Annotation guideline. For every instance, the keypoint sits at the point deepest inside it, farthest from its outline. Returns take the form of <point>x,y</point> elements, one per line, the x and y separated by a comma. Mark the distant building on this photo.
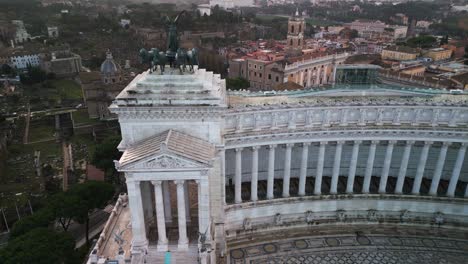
<point>353,74</point>
<point>366,28</point>
<point>400,32</point>
<point>53,32</point>
<point>415,70</point>
<point>228,4</point>
<point>204,9</point>
<point>296,27</point>
<point>21,34</point>
<point>399,53</point>
<point>62,63</point>
<point>22,62</point>
<point>100,88</point>
<point>125,23</point>
<point>438,54</point>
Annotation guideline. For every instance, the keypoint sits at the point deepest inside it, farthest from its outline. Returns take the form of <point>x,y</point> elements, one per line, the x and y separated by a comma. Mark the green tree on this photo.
<point>42,218</point>
<point>424,41</point>
<point>40,246</point>
<point>65,207</point>
<point>237,84</point>
<point>91,195</point>
<point>105,154</point>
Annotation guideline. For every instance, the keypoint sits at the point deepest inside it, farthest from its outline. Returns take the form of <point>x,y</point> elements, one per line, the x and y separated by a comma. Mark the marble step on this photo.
<point>177,257</point>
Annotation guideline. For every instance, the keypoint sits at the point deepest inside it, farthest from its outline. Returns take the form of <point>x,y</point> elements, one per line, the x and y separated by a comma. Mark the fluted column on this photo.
<point>369,167</point>
<point>139,241</point>
<point>167,201</point>
<point>318,177</point>
<point>403,167</point>
<point>238,176</point>
<point>421,166</point>
<point>254,181</point>
<point>161,221</point>
<point>456,170</point>
<point>336,168</point>
<point>303,171</point>
<point>287,170</point>
<point>386,167</point>
<point>352,167</point>
<point>439,167</point>
<point>271,171</point>
<point>183,240</point>
<point>187,201</point>
<point>204,207</point>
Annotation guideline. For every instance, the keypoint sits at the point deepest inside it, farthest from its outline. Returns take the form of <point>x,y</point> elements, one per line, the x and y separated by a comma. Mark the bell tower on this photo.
<point>296,26</point>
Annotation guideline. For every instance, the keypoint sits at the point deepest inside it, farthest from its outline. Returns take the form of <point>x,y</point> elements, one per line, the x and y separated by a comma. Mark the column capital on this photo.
<point>464,145</point>
<point>357,142</point>
<point>392,142</point>
<point>375,142</point>
<point>306,144</point>
<point>428,143</point>
<point>340,142</point>
<point>179,182</point>
<point>323,143</point>
<point>239,149</point>
<point>446,144</point>
<point>410,142</point>
<point>290,145</point>
<point>256,148</point>
<point>272,146</point>
<point>156,183</point>
<point>197,182</point>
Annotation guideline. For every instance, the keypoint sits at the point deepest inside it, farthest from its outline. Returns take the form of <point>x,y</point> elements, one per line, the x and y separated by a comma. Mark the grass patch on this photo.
<point>41,132</point>
<point>81,116</point>
<point>67,89</point>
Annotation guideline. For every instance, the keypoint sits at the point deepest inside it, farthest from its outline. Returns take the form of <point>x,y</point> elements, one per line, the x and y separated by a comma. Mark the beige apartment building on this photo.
<point>399,53</point>
<point>438,54</point>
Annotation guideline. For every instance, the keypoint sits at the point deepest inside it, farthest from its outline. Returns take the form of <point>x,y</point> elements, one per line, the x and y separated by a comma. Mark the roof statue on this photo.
<point>176,57</point>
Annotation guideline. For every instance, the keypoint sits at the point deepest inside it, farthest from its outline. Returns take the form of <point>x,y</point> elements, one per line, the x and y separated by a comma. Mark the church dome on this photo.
<point>109,67</point>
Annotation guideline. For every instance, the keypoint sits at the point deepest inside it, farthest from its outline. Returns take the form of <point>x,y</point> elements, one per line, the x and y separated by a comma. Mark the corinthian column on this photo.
<point>271,171</point>
<point>352,167</point>
<point>303,171</point>
<point>183,240</point>
<point>318,177</point>
<point>439,167</point>
<point>386,168</point>
<point>456,170</point>
<point>238,176</point>
<point>161,221</point>
<point>369,167</point>
<point>167,201</point>
<point>254,181</point>
<point>421,166</point>
<point>287,170</point>
<point>403,168</point>
<point>139,242</point>
<point>336,168</point>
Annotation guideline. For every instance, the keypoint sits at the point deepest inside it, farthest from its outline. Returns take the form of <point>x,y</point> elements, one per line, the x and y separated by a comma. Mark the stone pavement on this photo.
<point>355,248</point>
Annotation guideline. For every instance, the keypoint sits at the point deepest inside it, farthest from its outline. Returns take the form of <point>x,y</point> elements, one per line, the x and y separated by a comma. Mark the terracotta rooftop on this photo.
<point>170,141</point>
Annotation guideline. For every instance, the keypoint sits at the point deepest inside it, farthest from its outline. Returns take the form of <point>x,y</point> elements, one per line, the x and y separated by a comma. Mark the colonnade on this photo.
<point>383,183</point>
<point>163,211</point>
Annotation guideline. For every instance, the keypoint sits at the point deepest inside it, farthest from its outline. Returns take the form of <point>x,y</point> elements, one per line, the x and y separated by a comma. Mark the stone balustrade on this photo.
<point>274,118</point>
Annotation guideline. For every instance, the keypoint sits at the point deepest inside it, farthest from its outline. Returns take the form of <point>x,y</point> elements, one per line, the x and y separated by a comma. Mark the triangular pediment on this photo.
<point>162,162</point>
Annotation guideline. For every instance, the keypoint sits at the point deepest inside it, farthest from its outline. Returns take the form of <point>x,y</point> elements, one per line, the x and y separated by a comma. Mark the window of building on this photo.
<point>291,42</point>
<point>299,42</point>
<point>300,28</point>
<point>269,76</point>
<point>292,28</point>
<point>291,75</point>
<point>277,79</point>
<point>260,75</point>
<point>255,74</point>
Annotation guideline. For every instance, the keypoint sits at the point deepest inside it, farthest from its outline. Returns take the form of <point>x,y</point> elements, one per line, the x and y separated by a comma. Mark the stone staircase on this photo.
<point>177,257</point>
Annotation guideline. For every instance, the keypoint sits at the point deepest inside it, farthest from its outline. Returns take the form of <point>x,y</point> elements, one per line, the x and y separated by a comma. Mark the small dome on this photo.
<point>109,67</point>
